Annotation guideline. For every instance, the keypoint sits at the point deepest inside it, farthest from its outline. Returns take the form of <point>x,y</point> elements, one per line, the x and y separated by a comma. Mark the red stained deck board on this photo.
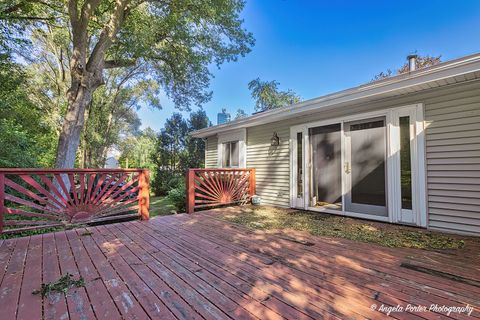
<point>378,269</point>
<point>180,308</point>
<point>242,281</point>
<point>255,275</point>
<point>100,299</point>
<point>357,257</point>
<point>113,248</point>
<point>30,305</point>
<point>215,239</point>
<point>196,266</point>
<point>11,284</point>
<point>54,305</point>
<point>121,295</point>
<point>417,289</point>
<point>6,251</point>
<point>220,299</point>
<point>245,294</point>
<point>79,306</point>
<point>200,304</point>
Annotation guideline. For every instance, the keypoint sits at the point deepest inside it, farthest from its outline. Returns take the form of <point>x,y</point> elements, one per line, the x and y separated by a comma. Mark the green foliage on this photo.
<point>171,143</point>
<point>180,40</point>
<point>27,136</point>
<point>240,114</point>
<point>421,62</point>
<point>194,155</point>
<point>137,151</point>
<point>156,44</point>
<point>176,150</point>
<point>177,197</point>
<point>165,180</point>
<point>62,285</point>
<point>112,119</point>
<point>267,96</point>
<point>177,41</point>
<point>18,149</point>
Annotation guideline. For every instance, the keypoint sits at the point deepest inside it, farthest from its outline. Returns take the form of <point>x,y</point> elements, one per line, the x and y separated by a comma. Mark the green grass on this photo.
<point>320,224</point>
<point>161,206</point>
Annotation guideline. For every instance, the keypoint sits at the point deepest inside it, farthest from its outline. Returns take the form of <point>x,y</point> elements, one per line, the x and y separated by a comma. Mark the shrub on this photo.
<point>177,197</point>
<point>166,180</point>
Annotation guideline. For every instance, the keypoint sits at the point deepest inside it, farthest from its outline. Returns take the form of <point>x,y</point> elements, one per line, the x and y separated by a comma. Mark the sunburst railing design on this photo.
<point>214,187</point>
<point>44,198</point>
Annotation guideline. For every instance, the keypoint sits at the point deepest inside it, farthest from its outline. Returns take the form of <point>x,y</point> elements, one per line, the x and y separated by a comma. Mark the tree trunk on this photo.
<point>69,138</point>
<point>85,71</point>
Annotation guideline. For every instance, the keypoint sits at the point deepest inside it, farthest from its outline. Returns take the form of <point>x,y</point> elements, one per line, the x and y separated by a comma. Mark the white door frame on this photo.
<point>418,215</point>
<point>295,201</point>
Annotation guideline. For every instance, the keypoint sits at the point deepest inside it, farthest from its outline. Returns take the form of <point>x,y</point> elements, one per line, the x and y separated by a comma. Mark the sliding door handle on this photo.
<point>347,167</point>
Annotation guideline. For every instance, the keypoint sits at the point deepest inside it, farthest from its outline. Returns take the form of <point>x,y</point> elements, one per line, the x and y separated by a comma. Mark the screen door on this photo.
<point>365,167</point>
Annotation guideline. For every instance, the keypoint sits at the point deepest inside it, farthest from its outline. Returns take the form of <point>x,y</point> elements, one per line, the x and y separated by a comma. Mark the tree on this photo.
<point>138,150</point>
<point>178,40</point>
<point>176,150</point>
<point>420,63</point>
<point>240,114</point>
<point>194,155</point>
<point>267,96</point>
<point>112,113</point>
<point>171,142</point>
<point>26,132</point>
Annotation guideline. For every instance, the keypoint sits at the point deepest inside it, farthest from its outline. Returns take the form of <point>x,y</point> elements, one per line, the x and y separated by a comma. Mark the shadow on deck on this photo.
<point>196,266</point>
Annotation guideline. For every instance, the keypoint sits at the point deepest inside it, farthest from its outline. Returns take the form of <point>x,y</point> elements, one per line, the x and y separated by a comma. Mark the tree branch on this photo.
<point>110,64</point>
<point>108,33</point>
<point>29,18</point>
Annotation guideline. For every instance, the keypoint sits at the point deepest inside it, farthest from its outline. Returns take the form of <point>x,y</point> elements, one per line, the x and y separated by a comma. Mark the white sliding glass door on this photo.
<point>369,166</point>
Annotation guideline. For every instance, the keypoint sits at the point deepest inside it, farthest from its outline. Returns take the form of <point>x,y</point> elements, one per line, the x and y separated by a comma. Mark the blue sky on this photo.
<point>319,47</point>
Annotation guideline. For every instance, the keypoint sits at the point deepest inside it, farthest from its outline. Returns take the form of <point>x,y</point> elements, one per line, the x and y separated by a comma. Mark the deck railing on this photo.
<point>214,187</point>
<point>33,199</point>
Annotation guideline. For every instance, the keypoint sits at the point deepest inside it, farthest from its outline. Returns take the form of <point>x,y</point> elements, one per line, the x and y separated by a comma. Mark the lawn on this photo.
<point>161,206</point>
<point>321,224</point>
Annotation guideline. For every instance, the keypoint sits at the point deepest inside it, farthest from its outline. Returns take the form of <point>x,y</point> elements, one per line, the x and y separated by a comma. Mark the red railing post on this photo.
<point>252,182</point>
<point>2,200</point>
<point>144,194</point>
<point>190,190</point>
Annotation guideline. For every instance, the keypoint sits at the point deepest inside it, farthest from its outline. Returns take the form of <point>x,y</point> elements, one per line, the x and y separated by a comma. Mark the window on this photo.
<point>230,154</point>
<point>299,165</point>
<point>405,163</point>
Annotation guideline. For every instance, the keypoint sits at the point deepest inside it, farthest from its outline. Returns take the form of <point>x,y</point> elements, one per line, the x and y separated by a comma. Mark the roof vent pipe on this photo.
<point>412,62</point>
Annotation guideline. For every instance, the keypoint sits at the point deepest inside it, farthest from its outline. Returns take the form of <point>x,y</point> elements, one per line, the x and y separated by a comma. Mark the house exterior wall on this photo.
<point>452,120</point>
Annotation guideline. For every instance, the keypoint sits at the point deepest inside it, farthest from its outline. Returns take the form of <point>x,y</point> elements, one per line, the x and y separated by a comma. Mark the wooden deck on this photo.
<point>198,267</point>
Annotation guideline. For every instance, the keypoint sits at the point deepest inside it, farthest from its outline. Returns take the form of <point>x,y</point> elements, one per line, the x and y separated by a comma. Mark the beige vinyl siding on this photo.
<point>211,153</point>
<point>272,164</point>
<point>452,147</point>
<point>453,162</point>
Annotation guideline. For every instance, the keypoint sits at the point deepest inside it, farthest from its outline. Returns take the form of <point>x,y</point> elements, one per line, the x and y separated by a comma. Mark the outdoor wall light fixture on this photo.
<point>275,140</point>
